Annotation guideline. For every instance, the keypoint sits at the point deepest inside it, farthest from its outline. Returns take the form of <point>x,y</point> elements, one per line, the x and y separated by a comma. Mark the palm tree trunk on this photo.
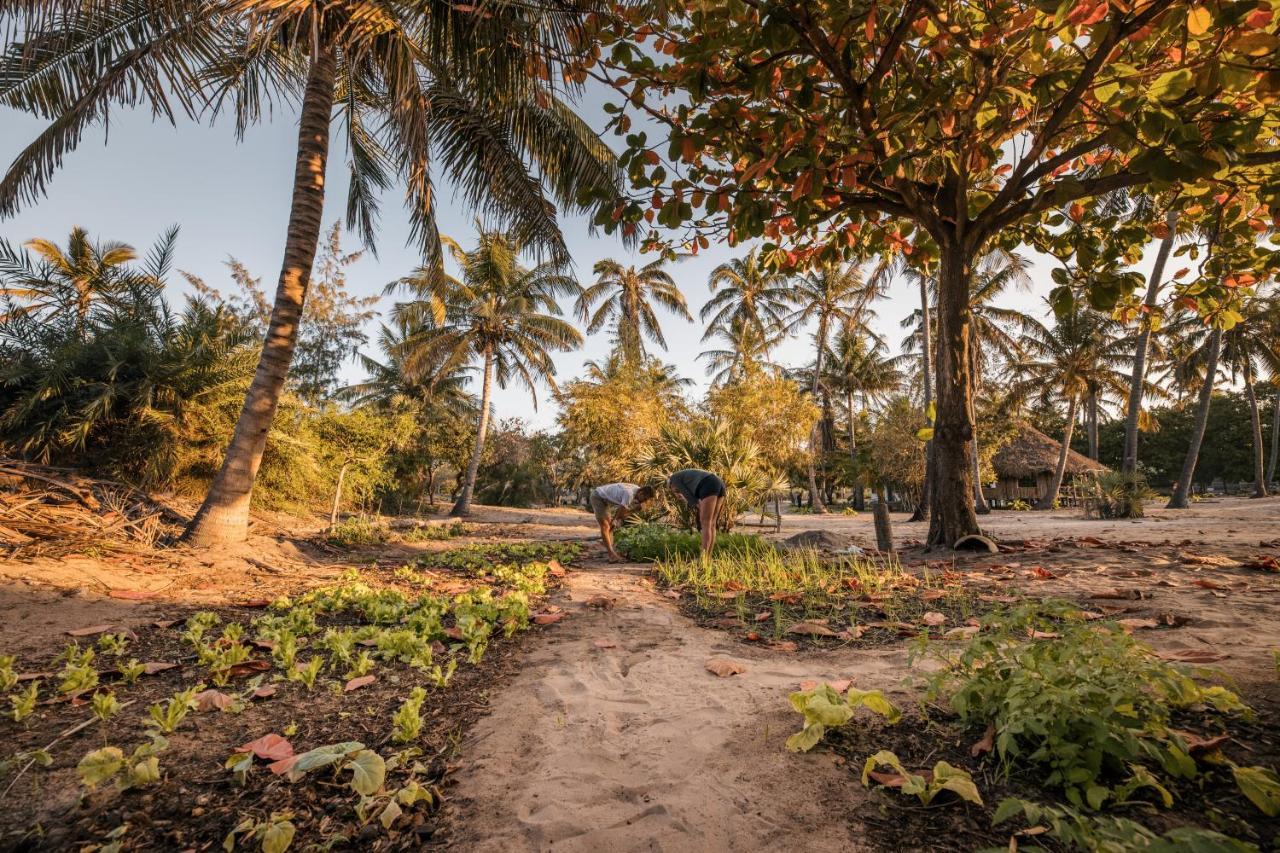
<point>463,504</point>
<point>975,376</point>
<point>224,515</point>
<point>815,435</point>
<point>1137,379</point>
<point>1048,499</point>
<point>337,494</point>
<point>926,354</point>
<point>1275,439</point>
<point>1182,489</point>
<point>859,501</point>
<point>1255,417</point>
<point>951,479</point>
<point>1092,425</point>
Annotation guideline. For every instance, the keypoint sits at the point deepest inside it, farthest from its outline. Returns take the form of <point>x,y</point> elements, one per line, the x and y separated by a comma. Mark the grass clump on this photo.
<point>1120,495</point>
<point>483,556</point>
<point>649,542</point>
<point>351,532</point>
<point>436,532</point>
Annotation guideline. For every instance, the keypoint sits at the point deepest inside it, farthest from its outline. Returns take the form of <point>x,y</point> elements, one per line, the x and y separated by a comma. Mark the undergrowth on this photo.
<point>649,541</point>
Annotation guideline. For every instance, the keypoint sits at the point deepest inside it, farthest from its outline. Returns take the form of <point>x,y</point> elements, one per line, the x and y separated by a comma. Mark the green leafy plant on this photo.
<point>1088,705</point>
<point>8,676</point>
<point>648,542</point>
<point>358,531</point>
<point>274,834</point>
<point>925,786</point>
<point>1261,785</point>
<point>307,673</point>
<point>1120,495</point>
<point>140,768</point>
<point>167,716</point>
<point>78,674</point>
<point>435,532</point>
<point>406,724</point>
<point>441,677</point>
<point>105,705</point>
<point>1104,833</point>
<point>824,708</point>
<point>132,671</point>
<point>113,644</point>
<point>22,703</point>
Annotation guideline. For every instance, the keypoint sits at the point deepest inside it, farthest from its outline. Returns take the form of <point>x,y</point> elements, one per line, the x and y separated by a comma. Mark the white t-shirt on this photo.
<point>618,494</point>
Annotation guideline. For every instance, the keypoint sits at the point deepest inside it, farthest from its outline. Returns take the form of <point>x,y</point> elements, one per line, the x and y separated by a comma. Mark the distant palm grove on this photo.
<point>1147,204</point>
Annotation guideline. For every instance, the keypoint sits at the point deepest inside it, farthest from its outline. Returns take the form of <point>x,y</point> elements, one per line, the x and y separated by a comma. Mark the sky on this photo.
<point>232,199</point>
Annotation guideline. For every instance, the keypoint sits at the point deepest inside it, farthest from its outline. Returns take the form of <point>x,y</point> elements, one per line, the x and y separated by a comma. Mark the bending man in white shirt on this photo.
<point>612,503</point>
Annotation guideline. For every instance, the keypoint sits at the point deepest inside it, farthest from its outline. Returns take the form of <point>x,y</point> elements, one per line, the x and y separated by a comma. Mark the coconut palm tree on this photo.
<point>390,385</point>
<point>746,348</point>
<point>859,369</point>
<point>1248,349</point>
<point>626,296</point>
<point>745,293</point>
<point>65,285</point>
<point>500,314</point>
<point>829,295</point>
<point>1080,354</point>
<point>421,87</point>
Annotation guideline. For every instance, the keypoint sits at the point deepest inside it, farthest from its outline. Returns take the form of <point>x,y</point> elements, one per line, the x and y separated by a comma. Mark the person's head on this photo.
<point>644,494</point>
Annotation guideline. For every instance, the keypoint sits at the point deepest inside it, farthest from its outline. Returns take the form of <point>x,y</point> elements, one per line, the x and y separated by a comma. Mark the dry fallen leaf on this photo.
<point>1205,583</point>
<point>723,667</point>
<point>357,683</point>
<point>249,666</point>
<point>605,644</point>
<point>264,691</point>
<point>1044,635</point>
<point>152,667</point>
<point>212,700</point>
<point>547,618</point>
<point>986,744</point>
<point>961,633</point>
<point>839,685</point>
<point>555,569</point>
<point>763,616</point>
<point>1199,744</point>
<point>603,602</point>
<point>1219,561</point>
<point>1193,656</point>
<point>784,646</point>
<point>90,631</point>
<point>933,619</point>
<point>1130,625</point>
<point>271,747</point>
<point>811,629</point>
<point>165,623</point>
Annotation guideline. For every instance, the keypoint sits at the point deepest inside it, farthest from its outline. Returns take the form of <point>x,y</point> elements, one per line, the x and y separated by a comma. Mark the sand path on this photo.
<point>636,746</point>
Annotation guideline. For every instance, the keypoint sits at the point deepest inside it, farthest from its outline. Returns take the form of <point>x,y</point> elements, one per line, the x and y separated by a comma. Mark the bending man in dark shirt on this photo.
<point>704,492</point>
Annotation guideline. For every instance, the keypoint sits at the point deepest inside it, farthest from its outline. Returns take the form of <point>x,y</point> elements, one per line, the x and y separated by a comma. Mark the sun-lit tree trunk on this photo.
<point>926,355</point>
<point>224,515</point>
<point>859,502</point>
<point>1255,418</point>
<point>1091,425</point>
<point>337,494</point>
<point>1182,489</point>
<point>975,373</point>
<point>1275,439</point>
<point>1050,497</point>
<point>951,478</point>
<point>463,505</point>
<point>815,436</point>
<point>1138,378</point>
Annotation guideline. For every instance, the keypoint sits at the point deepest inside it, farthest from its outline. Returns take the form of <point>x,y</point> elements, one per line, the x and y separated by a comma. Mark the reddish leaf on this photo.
<point>1205,583</point>
<point>271,747</point>
<point>453,633</point>
<point>165,623</point>
<point>986,744</point>
<point>1041,573</point>
<point>253,602</point>
<point>1199,744</point>
<point>357,683</point>
<point>933,594</point>
<point>811,629</point>
<point>1044,635</point>
<point>933,619</point>
<point>555,569</point>
<point>284,765</point>
<point>265,691</point>
<point>247,667</point>
<point>605,644</point>
<point>152,667</point>
<point>212,700</point>
<point>752,637</point>
<point>1130,625</point>
<point>763,616</point>
<point>547,618</point>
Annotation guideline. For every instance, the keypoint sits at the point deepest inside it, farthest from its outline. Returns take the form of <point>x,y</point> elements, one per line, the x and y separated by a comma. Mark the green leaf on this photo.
<point>389,814</point>
<point>414,793</point>
<point>925,433</point>
<point>1008,807</point>
<point>807,738</point>
<point>873,700</point>
<point>322,756</point>
<point>100,765</point>
<point>368,772</point>
<point>278,837</point>
<point>959,782</point>
<point>1261,786</point>
<point>1171,85</point>
<point>144,772</point>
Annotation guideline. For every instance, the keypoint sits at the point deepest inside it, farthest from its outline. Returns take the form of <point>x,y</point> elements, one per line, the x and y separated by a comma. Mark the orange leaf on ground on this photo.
<point>211,700</point>
<point>90,631</point>
<point>605,644</point>
<point>271,747</point>
<point>1041,573</point>
<point>165,623</point>
<point>839,685</point>
<point>248,666</point>
<point>284,765</point>
<point>264,691</point>
<point>547,618</point>
<point>1045,635</point>
<point>763,616</point>
<point>723,667</point>
<point>555,569</point>
<point>152,667</point>
<point>933,594</point>
<point>986,744</point>
<point>1130,625</point>
<point>358,682</point>
<point>933,619</point>
<point>1199,744</point>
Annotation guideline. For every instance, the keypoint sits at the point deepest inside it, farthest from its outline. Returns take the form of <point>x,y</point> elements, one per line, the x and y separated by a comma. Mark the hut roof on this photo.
<point>1031,452</point>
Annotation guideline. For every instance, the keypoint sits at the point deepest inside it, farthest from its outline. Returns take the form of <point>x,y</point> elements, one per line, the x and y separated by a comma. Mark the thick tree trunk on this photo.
<point>1139,376</point>
<point>1182,489</point>
<point>926,353</point>
<point>883,524</point>
<point>975,375</point>
<point>1275,440</point>
<point>815,437</point>
<point>1255,418</point>
<point>1050,497</point>
<point>463,504</point>
<point>951,477</point>
<point>224,515</point>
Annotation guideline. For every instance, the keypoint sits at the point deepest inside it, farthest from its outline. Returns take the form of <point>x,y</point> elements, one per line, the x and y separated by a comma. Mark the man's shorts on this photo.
<point>601,507</point>
<point>710,486</point>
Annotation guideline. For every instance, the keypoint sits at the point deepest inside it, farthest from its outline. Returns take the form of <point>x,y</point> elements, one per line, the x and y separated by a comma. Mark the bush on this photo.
<point>1120,495</point>
<point>649,542</point>
<point>358,531</point>
<point>1085,703</point>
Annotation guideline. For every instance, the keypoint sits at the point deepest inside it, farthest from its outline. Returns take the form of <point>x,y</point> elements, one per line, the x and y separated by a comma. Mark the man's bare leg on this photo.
<point>708,509</point>
<point>606,533</point>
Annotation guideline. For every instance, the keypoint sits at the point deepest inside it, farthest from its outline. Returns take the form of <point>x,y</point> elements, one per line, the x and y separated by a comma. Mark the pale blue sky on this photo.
<point>232,199</point>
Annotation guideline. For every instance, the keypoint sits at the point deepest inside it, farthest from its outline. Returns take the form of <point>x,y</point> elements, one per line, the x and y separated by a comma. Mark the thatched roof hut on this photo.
<point>1025,465</point>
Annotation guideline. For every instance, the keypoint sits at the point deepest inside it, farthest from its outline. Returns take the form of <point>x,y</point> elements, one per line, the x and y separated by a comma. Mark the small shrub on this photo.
<point>1019,505</point>
<point>435,532</point>
<point>1120,495</point>
<point>650,542</point>
<point>358,531</point>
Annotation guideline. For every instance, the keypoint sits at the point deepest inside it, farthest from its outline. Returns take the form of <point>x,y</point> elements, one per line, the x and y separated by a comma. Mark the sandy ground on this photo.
<point>616,737</point>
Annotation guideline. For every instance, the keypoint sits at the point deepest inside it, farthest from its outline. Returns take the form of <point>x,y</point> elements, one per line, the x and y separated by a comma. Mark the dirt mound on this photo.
<point>819,540</point>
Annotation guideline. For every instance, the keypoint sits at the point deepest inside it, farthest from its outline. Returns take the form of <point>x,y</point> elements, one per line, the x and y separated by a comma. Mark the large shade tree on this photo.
<point>421,88</point>
<point>845,128</point>
<point>500,315</point>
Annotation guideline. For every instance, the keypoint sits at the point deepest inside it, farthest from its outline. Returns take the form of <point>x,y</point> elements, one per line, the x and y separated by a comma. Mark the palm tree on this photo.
<point>859,369</point>
<point>499,313</point>
<point>416,85</point>
<point>626,296</point>
<point>830,294</point>
<point>66,285</point>
<point>746,349</point>
<point>745,293</point>
<point>1080,354</point>
<point>1247,347</point>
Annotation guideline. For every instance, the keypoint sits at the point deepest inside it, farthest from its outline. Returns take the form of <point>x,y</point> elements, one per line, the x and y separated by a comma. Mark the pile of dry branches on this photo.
<point>52,511</point>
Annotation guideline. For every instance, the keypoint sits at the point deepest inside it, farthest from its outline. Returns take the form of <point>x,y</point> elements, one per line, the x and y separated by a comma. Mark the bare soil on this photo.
<point>606,730</point>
